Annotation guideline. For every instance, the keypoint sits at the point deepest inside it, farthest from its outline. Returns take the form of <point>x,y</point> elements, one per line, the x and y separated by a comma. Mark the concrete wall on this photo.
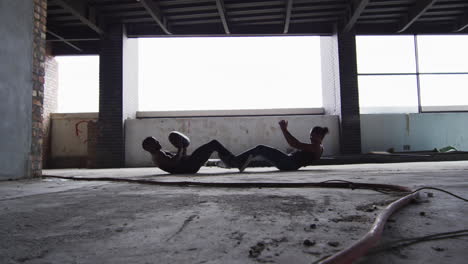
<point>330,75</point>
<point>418,131</point>
<point>236,133</point>
<point>16,82</point>
<point>379,132</point>
<point>130,77</point>
<point>69,139</point>
<point>50,104</point>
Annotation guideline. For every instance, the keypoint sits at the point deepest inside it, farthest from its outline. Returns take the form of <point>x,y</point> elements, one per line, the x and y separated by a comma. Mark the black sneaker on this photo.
<point>221,164</point>
<point>246,163</point>
<point>228,161</point>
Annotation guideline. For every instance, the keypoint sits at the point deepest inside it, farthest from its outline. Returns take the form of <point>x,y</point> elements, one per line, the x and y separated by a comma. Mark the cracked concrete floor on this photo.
<point>61,221</point>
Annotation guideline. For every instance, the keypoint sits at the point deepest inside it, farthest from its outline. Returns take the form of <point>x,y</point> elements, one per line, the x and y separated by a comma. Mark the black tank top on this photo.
<point>303,158</point>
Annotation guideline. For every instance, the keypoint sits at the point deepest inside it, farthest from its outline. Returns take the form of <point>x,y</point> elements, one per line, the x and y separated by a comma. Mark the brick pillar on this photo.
<point>39,54</point>
<point>50,103</point>
<point>91,144</point>
<point>340,87</point>
<point>110,139</point>
<point>118,95</point>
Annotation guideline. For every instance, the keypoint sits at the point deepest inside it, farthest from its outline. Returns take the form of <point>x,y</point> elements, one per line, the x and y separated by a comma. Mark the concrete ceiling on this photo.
<point>75,26</point>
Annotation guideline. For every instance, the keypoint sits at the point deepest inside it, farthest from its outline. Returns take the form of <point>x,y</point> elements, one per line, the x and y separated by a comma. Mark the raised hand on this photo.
<point>283,124</point>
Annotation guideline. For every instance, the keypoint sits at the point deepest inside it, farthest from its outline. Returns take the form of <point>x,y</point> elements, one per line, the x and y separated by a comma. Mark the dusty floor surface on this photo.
<point>62,221</point>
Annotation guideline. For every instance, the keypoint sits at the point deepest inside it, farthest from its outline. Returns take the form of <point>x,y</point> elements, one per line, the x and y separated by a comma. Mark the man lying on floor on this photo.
<point>181,162</point>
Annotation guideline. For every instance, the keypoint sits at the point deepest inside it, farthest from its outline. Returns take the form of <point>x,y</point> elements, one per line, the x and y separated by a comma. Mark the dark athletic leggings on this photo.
<point>193,163</point>
<point>277,158</point>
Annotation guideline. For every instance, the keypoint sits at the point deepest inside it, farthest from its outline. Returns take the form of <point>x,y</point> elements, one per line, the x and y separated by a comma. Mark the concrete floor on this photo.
<point>62,221</point>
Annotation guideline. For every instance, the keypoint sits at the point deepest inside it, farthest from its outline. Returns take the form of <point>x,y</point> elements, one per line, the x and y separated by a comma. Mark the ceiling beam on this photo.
<point>64,41</point>
<point>222,15</point>
<point>359,7</point>
<point>72,39</point>
<point>155,13</point>
<point>462,23</point>
<point>417,10</point>
<point>79,10</point>
<point>287,20</point>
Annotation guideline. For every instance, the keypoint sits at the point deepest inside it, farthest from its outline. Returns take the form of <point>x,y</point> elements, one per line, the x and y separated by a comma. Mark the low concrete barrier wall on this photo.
<point>414,132</point>
<point>238,133</point>
<point>69,139</point>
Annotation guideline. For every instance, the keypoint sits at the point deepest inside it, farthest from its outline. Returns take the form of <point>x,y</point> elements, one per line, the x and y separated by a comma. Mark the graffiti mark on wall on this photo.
<point>83,124</point>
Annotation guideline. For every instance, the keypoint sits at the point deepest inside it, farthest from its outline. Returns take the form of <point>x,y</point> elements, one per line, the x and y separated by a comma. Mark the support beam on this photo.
<point>462,23</point>
<point>359,7</point>
<point>64,41</point>
<point>78,9</point>
<point>417,10</point>
<point>73,39</point>
<point>155,13</point>
<point>340,87</point>
<point>287,20</point>
<point>110,146</point>
<point>222,15</point>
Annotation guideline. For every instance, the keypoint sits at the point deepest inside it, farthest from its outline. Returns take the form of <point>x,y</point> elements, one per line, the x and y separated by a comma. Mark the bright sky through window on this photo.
<point>229,73</point>
<point>276,72</point>
<point>392,79</point>
<point>78,81</point>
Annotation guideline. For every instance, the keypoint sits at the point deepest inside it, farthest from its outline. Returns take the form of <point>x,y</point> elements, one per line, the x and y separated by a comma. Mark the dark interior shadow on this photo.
<point>162,175</point>
<point>268,170</point>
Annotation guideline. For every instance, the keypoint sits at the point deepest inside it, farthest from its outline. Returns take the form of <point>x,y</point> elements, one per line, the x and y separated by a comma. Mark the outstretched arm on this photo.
<point>292,141</point>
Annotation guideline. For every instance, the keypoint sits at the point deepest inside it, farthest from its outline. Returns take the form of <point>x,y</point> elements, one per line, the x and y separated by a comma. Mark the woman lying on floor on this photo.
<point>304,155</point>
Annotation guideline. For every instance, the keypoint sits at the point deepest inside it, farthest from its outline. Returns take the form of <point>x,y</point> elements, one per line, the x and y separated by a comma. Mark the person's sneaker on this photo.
<point>246,163</point>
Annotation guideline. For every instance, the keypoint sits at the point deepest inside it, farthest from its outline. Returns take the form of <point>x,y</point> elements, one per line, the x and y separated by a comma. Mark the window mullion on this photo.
<point>418,83</point>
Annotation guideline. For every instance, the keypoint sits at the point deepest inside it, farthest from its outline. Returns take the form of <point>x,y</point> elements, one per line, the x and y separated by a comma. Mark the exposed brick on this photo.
<point>110,147</point>
<point>38,86</point>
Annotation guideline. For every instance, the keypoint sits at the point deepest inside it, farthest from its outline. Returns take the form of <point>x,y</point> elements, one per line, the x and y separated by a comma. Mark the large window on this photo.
<point>408,74</point>
<point>443,68</point>
<point>78,84</point>
<point>229,73</point>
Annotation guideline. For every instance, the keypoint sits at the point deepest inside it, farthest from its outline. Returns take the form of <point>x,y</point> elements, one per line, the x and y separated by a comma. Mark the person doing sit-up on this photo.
<point>181,162</point>
<point>304,155</point>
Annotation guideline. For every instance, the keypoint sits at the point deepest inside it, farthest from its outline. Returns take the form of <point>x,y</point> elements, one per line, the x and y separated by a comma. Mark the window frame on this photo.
<point>237,112</point>
<point>418,74</point>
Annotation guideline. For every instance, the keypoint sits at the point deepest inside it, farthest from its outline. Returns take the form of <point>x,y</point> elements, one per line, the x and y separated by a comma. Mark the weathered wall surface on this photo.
<point>236,133</point>
<point>380,132</point>
<point>418,131</point>
<point>69,139</point>
<point>16,83</point>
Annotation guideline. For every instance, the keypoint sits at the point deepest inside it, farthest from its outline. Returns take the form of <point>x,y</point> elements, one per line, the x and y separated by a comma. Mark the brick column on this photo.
<point>118,95</point>
<point>110,140</point>
<point>340,87</point>
<point>39,53</point>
